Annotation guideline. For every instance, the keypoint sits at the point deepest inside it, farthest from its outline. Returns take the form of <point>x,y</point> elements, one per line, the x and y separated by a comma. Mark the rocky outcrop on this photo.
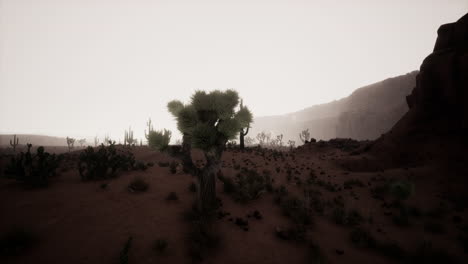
<point>438,115</point>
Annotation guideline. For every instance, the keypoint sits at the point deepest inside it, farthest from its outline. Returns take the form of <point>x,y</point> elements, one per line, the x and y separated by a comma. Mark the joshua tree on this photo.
<point>261,137</point>
<point>107,140</point>
<point>208,122</point>
<point>14,143</point>
<point>128,138</point>
<point>279,140</point>
<point>244,130</point>
<point>70,143</point>
<point>249,141</point>
<point>304,136</point>
<point>292,144</point>
<point>82,141</point>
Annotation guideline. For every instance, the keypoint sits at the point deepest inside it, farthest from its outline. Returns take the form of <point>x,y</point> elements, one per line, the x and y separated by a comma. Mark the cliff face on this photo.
<point>437,122</point>
<point>365,114</point>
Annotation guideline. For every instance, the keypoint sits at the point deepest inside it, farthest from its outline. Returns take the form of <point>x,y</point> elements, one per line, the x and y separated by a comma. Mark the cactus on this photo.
<point>128,139</point>
<point>304,136</point>
<point>244,130</point>
<point>150,128</point>
<point>14,143</point>
<point>292,144</point>
<point>70,143</point>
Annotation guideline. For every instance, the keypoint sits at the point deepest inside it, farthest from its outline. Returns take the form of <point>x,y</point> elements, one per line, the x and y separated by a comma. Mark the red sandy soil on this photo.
<point>78,222</point>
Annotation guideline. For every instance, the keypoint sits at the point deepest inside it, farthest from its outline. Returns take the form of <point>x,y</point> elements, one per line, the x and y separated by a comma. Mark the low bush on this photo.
<point>17,241</point>
<point>33,169</point>
<point>104,162</point>
<point>159,140</point>
<point>248,185</point>
<point>138,184</point>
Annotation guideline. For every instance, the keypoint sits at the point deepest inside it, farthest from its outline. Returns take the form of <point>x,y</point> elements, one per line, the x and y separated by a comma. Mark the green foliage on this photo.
<point>159,139</point>
<point>33,169</point>
<point>16,242</point>
<point>211,119</point>
<point>104,162</point>
<point>123,258</point>
<point>138,184</point>
<point>248,185</point>
<point>160,246</point>
<point>401,190</point>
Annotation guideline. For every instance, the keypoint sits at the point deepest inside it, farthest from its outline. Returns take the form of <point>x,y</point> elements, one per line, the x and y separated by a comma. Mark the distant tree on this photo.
<point>304,136</point>
<point>261,137</point>
<point>82,141</point>
<point>249,141</point>
<point>279,140</point>
<point>247,115</point>
<point>291,144</point>
<point>70,143</point>
<point>208,122</point>
<point>159,139</point>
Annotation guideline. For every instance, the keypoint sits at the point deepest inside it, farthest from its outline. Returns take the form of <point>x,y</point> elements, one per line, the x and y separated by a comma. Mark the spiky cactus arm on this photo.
<point>14,143</point>
<point>150,128</point>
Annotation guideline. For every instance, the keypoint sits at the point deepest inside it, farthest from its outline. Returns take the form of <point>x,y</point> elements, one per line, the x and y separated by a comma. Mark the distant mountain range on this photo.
<point>36,140</point>
<point>366,114</point>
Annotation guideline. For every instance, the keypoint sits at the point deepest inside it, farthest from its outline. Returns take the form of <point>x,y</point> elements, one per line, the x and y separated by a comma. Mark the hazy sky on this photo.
<point>91,67</point>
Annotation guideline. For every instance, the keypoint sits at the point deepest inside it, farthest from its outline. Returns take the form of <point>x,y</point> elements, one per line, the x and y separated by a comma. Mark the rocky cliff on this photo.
<point>437,122</point>
<point>365,114</point>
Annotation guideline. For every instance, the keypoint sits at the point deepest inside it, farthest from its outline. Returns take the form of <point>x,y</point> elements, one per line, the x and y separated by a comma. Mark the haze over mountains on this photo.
<point>366,114</point>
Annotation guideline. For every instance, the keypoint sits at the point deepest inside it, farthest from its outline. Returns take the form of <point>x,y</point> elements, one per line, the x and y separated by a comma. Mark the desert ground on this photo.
<point>77,221</point>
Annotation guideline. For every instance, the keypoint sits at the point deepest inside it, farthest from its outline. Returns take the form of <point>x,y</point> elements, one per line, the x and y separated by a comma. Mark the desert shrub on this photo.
<point>297,211</point>
<point>362,238</point>
<point>17,241</point>
<point>434,227</point>
<point>141,166</point>
<point>315,254</point>
<point>104,162</point>
<point>401,190</point>
<point>341,217</point>
<point>172,196</point>
<point>248,185</point>
<point>163,164</point>
<point>123,257</point>
<point>173,167</point>
<point>160,246</point>
<point>33,169</point>
<point>353,182</point>
<point>159,139</point>
<point>193,187</point>
<point>138,184</point>
<point>354,218</point>
<point>295,233</point>
<point>426,253</point>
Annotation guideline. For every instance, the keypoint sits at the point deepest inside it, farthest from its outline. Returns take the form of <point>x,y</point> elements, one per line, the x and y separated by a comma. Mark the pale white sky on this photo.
<point>91,67</point>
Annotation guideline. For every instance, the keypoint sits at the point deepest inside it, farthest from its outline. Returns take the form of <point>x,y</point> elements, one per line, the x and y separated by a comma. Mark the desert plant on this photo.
<point>17,241</point>
<point>150,128</point>
<point>207,123</point>
<point>70,143</point>
<point>244,130</point>
<point>291,144</point>
<point>304,136</point>
<point>104,162</point>
<point>279,140</point>
<point>160,246</point>
<point>96,141</point>
<point>401,190</point>
<point>248,185</point>
<point>159,139</point>
<point>82,141</point>
<point>261,137</point>
<point>123,257</point>
<point>14,143</point>
<point>128,137</point>
<point>33,169</point>
<point>138,184</point>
